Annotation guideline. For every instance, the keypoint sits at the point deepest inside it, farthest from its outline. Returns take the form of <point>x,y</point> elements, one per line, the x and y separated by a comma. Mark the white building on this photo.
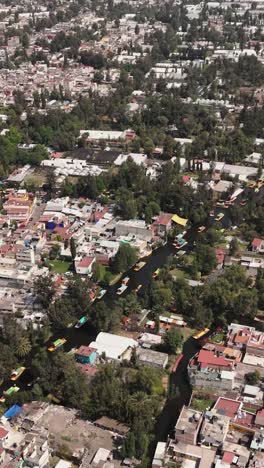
<point>115,347</point>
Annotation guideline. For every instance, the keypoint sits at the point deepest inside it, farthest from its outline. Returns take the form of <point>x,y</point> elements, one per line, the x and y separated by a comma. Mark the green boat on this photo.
<point>56,344</point>
<point>81,322</point>
<point>11,390</point>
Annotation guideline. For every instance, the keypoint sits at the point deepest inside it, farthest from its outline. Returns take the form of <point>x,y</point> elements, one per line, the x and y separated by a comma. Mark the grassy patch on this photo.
<point>180,273</point>
<point>218,338</point>
<point>59,266</point>
<point>115,279</point>
<point>200,404</point>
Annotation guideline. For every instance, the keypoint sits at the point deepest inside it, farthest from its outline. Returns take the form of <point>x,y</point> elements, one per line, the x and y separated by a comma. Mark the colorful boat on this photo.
<point>122,289</point>
<point>17,373</point>
<point>200,334</point>
<point>125,280</point>
<point>219,216</point>
<point>101,293</point>
<point>57,344</point>
<point>139,266</point>
<point>156,273</point>
<point>9,392</point>
<point>81,322</point>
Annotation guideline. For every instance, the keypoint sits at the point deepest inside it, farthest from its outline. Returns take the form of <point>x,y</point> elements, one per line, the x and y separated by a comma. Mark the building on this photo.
<point>188,426</point>
<point>162,224</point>
<point>134,228</point>
<point>206,359</point>
<point>259,421</point>
<point>159,455</point>
<point>114,347</point>
<point>257,245</point>
<point>224,380</point>
<point>152,358</point>
<point>214,429</point>
<point>26,255</point>
<point>189,455</point>
<point>85,355</point>
<point>112,425</point>
<point>84,266</point>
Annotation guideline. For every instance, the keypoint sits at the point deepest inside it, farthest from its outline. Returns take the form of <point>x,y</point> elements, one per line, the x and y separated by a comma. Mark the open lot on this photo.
<point>69,434</point>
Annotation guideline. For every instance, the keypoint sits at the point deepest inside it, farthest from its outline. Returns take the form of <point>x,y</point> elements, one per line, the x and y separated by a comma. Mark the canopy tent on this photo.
<point>178,220</point>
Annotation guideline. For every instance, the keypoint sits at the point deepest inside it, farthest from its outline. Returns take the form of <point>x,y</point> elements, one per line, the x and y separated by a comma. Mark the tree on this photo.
<point>73,248</point>
<point>205,258</point>
<point>234,246</point>
<point>44,290</point>
<point>23,347</point>
<point>126,257</point>
<point>129,446</point>
<point>98,272</point>
<point>25,40</point>
<point>172,340</point>
<point>252,378</point>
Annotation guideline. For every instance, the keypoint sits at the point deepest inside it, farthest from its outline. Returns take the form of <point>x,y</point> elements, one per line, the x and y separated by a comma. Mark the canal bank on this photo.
<point>180,392</point>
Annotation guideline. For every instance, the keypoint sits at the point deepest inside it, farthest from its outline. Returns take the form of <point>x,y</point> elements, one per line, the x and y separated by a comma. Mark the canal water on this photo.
<point>180,393</point>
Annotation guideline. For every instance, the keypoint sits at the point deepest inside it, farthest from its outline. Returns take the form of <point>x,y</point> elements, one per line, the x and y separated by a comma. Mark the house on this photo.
<point>228,407</point>
<point>84,266</point>
<point>112,425</point>
<point>134,228</point>
<point>257,245</point>
<point>222,186</point>
<point>85,355</point>
<point>209,359</point>
<point>152,358</point>
<point>88,370</point>
<point>214,429</point>
<point>259,420</point>
<point>188,426</point>
<point>162,223</point>
<point>220,256</point>
<point>3,435</point>
<point>114,347</point>
<point>159,455</point>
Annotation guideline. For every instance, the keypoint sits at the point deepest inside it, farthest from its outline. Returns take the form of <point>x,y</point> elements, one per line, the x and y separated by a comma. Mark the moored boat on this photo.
<point>57,344</point>
<point>121,289</point>
<point>17,373</point>
<point>139,266</point>
<point>156,273</point>
<point>81,322</point>
<point>101,293</point>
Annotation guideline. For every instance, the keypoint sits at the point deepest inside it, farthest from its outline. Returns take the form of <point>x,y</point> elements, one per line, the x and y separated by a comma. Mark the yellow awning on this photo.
<point>178,220</point>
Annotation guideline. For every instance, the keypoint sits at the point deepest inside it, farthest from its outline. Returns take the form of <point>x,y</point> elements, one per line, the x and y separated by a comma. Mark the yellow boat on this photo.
<point>200,334</point>
<point>139,266</point>
<point>17,373</point>
<point>57,344</point>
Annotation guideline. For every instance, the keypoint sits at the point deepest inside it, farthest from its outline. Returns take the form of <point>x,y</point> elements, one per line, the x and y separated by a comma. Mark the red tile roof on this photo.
<point>207,358</point>
<point>85,262</point>
<point>87,369</point>
<point>261,413</point>
<point>220,255</point>
<point>85,351</point>
<point>185,179</point>
<point>256,242</point>
<point>164,219</point>
<point>227,407</point>
<point>3,433</point>
<point>228,457</point>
